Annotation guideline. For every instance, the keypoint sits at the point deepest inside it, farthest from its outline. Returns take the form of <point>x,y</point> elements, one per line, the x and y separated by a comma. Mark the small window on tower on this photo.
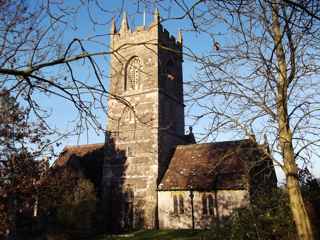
<point>170,81</point>
<point>129,151</point>
<point>129,115</point>
<point>170,70</point>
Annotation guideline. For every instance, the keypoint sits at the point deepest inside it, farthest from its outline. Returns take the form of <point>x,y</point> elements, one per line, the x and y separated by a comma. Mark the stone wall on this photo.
<point>140,90</point>
<point>132,121</point>
<point>224,201</point>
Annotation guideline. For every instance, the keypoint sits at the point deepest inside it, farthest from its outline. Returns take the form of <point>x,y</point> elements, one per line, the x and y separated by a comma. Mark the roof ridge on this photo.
<point>218,142</point>
<point>83,145</point>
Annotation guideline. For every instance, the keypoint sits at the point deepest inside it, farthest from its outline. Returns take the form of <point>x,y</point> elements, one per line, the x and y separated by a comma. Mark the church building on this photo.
<point>153,174</point>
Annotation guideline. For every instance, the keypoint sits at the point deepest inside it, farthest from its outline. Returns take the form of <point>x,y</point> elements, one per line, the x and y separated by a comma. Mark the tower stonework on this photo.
<point>145,119</point>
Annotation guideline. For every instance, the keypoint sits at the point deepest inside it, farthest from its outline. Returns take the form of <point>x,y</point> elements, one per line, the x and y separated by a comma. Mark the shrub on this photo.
<point>268,217</point>
<point>77,215</point>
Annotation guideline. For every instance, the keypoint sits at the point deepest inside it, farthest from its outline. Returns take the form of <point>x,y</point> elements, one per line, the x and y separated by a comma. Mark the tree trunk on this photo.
<point>297,206</point>
<point>12,208</point>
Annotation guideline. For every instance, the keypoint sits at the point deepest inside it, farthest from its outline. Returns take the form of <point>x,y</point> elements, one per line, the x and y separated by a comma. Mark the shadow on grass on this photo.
<point>160,235</point>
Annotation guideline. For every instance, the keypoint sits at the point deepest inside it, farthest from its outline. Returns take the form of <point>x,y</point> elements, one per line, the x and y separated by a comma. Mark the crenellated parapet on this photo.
<point>154,32</point>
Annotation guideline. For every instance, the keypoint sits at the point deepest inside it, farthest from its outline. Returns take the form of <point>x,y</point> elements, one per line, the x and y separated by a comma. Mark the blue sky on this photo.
<point>63,114</point>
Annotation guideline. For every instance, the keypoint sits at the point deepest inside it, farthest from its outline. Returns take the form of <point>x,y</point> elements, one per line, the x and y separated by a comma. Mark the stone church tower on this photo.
<point>145,119</point>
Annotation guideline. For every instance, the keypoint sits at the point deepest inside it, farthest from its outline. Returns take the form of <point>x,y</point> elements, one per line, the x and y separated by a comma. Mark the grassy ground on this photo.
<point>160,235</point>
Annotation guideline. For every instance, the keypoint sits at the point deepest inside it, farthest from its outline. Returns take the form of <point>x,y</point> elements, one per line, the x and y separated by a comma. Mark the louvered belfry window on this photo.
<point>133,74</point>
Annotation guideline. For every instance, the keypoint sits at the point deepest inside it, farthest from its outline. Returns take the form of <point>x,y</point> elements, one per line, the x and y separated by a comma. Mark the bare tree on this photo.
<point>40,58</point>
<point>21,145</point>
<point>261,78</point>
<point>36,58</point>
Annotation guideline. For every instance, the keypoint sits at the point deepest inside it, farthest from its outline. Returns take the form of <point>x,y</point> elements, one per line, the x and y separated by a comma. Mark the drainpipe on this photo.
<point>192,209</point>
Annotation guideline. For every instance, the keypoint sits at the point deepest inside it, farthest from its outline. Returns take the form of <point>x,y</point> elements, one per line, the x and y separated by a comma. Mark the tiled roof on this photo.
<point>78,151</point>
<point>85,160</point>
<point>208,166</point>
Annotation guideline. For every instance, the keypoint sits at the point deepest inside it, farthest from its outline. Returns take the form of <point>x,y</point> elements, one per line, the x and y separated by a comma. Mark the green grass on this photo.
<point>160,235</point>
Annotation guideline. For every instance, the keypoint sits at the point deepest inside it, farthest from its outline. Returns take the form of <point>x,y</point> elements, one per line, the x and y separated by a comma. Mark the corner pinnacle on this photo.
<point>113,29</point>
<point>156,16</point>
<point>180,39</point>
<point>124,24</point>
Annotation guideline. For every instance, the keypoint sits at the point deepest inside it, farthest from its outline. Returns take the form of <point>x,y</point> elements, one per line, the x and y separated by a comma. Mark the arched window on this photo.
<point>204,205</point>
<point>207,205</point>
<point>170,70</point>
<point>129,151</point>
<point>181,204</point>
<point>175,204</point>
<point>171,80</point>
<point>210,205</point>
<point>128,115</point>
<point>178,204</point>
<point>133,74</point>
<point>128,209</point>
